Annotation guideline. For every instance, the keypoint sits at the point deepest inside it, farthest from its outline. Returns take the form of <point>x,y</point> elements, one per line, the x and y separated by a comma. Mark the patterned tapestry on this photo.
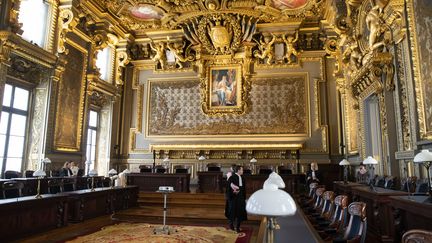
<point>277,106</point>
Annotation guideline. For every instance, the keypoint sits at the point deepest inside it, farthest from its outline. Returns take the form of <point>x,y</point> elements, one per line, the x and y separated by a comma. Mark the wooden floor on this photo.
<point>205,209</point>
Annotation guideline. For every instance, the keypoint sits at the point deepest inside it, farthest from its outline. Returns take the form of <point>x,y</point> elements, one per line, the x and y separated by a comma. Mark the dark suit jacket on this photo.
<point>236,202</point>
<point>309,178</point>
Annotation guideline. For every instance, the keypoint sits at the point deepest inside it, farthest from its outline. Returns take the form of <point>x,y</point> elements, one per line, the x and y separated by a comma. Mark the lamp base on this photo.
<point>38,196</point>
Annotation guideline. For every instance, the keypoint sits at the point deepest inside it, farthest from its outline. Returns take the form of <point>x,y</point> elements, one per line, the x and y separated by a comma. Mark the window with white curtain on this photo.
<point>13,125</point>
<point>104,63</point>
<point>33,15</point>
<point>92,140</point>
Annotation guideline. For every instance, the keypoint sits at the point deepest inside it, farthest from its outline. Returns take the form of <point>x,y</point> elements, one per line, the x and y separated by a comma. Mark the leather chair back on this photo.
<point>213,167</point>
<point>29,173</point>
<point>55,186</point>
<point>389,182</point>
<point>339,219</point>
<point>181,169</point>
<point>145,169</point>
<point>9,174</point>
<point>12,189</point>
<point>357,226</point>
<point>284,170</point>
<point>160,169</point>
<point>417,236</point>
<point>69,184</point>
<point>265,169</point>
<point>312,189</point>
<point>319,199</point>
<point>328,205</point>
<point>410,183</point>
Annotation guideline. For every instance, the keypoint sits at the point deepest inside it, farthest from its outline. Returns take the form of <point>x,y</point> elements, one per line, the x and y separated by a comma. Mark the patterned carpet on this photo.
<point>136,232</point>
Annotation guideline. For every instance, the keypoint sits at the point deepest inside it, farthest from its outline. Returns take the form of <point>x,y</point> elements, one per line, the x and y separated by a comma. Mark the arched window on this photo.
<point>104,62</point>
<point>34,18</point>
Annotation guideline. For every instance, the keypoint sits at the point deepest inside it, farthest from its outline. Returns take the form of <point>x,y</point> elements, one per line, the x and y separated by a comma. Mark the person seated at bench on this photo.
<point>65,170</point>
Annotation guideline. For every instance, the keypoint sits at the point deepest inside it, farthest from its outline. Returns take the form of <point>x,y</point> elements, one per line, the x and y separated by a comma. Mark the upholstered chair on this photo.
<point>417,236</point>
<point>355,232</point>
<point>12,189</point>
<point>55,186</point>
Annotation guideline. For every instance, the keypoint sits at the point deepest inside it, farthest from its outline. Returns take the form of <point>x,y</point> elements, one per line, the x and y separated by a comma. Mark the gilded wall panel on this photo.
<point>279,107</point>
<point>421,35</point>
<point>352,121</point>
<point>70,101</point>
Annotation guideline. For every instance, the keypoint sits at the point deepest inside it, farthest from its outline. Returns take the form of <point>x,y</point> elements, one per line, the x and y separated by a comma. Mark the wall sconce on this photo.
<point>425,158</point>
<point>345,163</point>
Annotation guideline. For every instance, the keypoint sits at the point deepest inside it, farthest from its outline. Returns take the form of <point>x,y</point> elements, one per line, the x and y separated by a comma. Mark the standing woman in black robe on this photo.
<point>236,195</point>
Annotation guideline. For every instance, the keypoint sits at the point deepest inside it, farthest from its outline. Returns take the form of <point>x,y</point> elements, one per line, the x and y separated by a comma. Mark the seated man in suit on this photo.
<point>313,175</point>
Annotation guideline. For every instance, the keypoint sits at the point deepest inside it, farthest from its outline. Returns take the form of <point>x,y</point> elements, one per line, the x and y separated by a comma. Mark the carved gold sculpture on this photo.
<point>289,46</point>
<point>266,51</point>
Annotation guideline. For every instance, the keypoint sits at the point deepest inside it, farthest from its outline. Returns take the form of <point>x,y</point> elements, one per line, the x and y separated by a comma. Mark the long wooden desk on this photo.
<point>296,229</point>
<point>86,204</point>
<point>152,181</point>
<point>28,215</point>
<point>409,212</point>
<point>377,211</point>
<point>340,188</point>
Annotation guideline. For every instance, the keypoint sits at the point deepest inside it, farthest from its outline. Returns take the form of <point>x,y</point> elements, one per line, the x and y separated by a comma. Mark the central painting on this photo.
<point>279,106</point>
<point>225,88</point>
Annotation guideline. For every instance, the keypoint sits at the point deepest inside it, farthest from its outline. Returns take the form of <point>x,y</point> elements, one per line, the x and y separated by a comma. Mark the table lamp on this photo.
<point>113,176</point>
<point>40,173</point>
<point>370,162</point>
<point>201,160</point>
<point>166,163</point>
<point>425,158</point>
<point>125,173</point>
<point>345,163</point>
<point>45,163</point>
<point>253,163</point>
<point>271,202</point>
<point>92,174</point>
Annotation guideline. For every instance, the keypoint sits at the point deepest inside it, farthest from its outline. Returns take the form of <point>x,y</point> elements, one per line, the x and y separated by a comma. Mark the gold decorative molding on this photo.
<point>285,146</point>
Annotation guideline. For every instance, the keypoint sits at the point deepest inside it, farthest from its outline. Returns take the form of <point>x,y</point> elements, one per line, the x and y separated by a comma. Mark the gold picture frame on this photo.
<point>223,90</point>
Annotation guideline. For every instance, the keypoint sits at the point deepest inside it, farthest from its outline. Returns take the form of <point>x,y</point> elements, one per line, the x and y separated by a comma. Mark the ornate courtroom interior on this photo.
<point>166,120</point>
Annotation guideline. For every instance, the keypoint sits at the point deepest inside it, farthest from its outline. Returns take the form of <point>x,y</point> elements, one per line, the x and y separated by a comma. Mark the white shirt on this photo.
<point>313,174</point>
<point>240,180</point>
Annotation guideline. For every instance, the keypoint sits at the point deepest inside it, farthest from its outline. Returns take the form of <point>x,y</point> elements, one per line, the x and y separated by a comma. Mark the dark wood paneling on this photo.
<point>378,212</point>
<point>209,181</point>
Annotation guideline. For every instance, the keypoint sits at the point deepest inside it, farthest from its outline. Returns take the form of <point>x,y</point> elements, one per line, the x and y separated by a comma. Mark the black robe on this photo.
<point>309,179</point>
<point>236,203</point>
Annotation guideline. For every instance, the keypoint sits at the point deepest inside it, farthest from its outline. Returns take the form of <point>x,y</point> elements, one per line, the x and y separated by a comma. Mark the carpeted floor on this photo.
<point>142,232</point>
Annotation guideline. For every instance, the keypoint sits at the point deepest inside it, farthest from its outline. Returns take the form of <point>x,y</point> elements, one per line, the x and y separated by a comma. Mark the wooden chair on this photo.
<point>265,169</point>
<point>355,232</point>
<point>284,170</point>
<point>323,217</point>
<point>417,236</point>
<point>379,181</point>
<point>410,183</point>
<point>12,189</point>
<point>389,182</point>
<point>55,186</point>
<point>145,169</point>
<point>319,202</point>
<point>181,169</point>
<point>338,219</point>
<point>29,173</point>
<point>421,187</point>
<point>160,169</point>
<point>9,174</point>
<point>214,167</point>
<point>247,170</point>
<point>69,184</point>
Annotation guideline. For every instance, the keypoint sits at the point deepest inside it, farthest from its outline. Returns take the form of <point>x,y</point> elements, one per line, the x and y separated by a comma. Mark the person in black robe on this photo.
<point>313,175</point>
<point>236,199</point>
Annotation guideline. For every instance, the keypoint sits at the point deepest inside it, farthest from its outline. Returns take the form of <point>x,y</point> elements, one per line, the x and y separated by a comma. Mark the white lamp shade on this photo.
<point>39,173</point>
<point>253,160</point>
<point>126,171</point>
<point>344,162</point>
<point>201,158</point>
<point>93,172</point>
<point>274,179</point>
<point>424,156</point>
<point>166,160</point>
<point>112,172</point>
<point>271,203</point>
<point>370,161</point>
<point>46,161</point>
